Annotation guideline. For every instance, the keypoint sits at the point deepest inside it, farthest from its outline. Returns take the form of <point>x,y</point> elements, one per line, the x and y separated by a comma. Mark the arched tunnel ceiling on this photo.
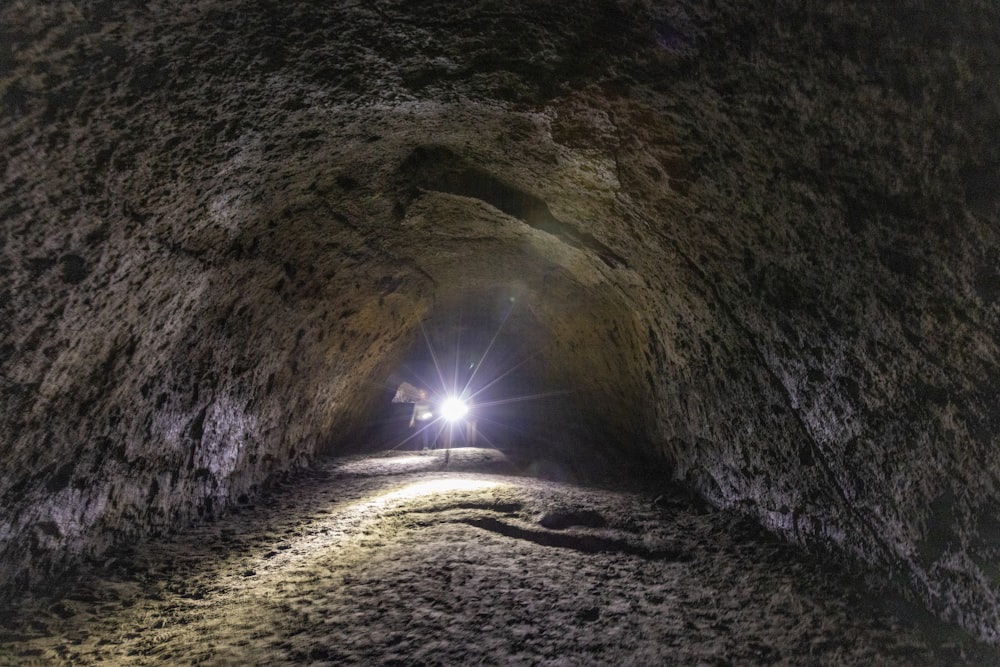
<point>761,242</point>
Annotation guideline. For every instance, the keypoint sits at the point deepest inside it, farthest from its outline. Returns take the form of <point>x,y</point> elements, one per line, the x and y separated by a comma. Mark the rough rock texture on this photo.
<point>389,559</point>
<point>757,241</point>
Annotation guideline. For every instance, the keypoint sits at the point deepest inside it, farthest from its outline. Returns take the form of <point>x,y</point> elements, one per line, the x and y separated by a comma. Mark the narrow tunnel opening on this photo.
<point>506,357</point>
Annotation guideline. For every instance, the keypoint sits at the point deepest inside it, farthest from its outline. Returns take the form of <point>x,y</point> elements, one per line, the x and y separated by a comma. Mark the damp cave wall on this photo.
<point>761,238</point>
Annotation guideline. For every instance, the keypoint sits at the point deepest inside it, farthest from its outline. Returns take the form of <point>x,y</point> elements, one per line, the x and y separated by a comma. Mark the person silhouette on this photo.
<point>423,412</point>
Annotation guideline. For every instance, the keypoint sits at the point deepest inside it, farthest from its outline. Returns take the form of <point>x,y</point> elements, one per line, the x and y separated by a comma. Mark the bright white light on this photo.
<point>453,409</point>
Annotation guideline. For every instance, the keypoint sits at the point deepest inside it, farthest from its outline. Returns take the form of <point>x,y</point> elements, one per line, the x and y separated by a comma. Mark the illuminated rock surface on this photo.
<point>754,248</point>
<point>398,561</point>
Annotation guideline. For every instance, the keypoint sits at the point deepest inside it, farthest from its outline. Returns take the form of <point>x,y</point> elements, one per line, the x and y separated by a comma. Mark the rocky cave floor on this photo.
<point>398,559</point>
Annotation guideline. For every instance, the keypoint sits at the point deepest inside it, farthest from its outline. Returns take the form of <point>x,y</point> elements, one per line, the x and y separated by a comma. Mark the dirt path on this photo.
<point>393,560</point>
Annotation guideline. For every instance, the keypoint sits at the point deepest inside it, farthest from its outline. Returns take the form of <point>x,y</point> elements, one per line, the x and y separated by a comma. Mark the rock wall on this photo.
<point>759,241</point>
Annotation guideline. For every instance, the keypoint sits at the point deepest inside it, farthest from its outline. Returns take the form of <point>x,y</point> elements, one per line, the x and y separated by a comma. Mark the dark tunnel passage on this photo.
<point>487,347</point>
<point>745,254</point>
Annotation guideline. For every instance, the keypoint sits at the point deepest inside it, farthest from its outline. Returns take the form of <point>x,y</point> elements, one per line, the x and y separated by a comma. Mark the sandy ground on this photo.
<point>396,559</point>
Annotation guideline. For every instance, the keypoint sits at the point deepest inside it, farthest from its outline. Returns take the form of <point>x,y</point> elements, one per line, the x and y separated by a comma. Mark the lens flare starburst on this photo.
<point>463,392</point>
<point>453,409</point>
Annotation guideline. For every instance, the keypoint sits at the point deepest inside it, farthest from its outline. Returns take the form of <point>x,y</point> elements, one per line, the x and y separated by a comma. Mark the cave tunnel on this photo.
<point>721,280</point>
<point>487,346</point>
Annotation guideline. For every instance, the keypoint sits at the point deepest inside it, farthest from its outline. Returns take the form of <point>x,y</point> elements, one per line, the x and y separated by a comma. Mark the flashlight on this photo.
<point>454,409</point>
